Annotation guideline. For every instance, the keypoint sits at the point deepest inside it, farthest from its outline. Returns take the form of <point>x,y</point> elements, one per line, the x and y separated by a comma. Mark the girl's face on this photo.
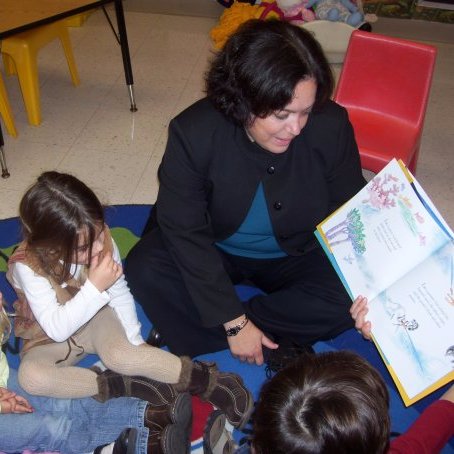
<point>275,132</point>
<point>83,248</point>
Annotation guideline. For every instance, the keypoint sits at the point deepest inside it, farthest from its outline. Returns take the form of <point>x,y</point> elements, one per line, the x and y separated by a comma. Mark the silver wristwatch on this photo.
<point>234,330</point>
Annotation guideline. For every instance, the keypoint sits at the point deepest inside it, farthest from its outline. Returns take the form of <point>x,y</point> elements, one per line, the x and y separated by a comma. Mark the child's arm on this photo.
<point>431,431</point>
<point>61,321</point>
<point>58,321</point>
<point>122,301</point>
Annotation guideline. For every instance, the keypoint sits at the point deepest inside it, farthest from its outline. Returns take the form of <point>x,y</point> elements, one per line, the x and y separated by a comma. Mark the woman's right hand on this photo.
<point>247,344</point>
<point>12,403</point>
<point>358,311</point>
<point>104,271</point>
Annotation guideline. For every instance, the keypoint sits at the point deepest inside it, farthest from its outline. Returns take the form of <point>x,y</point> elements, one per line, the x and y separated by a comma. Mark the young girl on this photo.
<point>71,426</point>
<point>73,300</point>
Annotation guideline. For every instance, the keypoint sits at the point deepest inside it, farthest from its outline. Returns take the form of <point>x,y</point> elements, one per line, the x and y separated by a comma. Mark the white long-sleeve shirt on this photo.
<point>60,321</point>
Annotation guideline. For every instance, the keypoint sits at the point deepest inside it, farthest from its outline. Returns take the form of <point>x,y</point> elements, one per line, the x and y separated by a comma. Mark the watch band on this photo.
<point>234,330</point>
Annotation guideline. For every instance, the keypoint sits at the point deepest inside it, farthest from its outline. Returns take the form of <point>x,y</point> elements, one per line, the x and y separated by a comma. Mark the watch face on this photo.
<point>232,331</point>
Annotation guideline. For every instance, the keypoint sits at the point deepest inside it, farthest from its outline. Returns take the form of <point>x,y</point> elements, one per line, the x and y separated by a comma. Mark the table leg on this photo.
<point>125,52</point>
<point>5,173</point>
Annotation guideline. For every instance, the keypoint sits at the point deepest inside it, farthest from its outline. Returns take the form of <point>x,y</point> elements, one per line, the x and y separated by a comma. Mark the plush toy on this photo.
<point>337,11</point>
<point>234,16</point>
<point>296,11</point>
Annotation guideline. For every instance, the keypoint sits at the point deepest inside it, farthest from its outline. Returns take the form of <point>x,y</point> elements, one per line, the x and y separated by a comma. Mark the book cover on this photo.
<point>390,244</point>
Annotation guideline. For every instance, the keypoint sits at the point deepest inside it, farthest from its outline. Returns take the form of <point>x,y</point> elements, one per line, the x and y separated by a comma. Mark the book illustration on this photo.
<point>351,229</point>
<point>450,353</point>
<point>404,325</point>
<point>383,193</point>
<point>412,323</point>
<point>390,244</point>
<point>386,223</point>
<point>450,294</point>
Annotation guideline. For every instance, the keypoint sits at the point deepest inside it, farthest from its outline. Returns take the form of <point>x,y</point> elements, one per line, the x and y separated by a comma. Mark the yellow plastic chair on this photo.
<point>78,19</point>
<point>5,110</point>
<point>20,55</point>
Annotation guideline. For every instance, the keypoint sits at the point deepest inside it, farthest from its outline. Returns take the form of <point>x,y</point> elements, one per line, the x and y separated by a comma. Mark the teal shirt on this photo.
<point>255,237</point>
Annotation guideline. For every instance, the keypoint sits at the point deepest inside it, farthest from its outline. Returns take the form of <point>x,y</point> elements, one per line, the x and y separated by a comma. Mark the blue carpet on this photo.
<point>127,222</point>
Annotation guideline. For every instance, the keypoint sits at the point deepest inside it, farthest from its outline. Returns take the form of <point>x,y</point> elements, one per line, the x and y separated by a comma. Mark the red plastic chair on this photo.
<point>384,85</point>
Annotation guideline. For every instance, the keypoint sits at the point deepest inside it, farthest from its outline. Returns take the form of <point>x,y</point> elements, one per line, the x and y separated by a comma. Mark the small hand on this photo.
<point>358,311</point>
<point>247,344</point>
<point>12,403</point>
<point>104,271</point>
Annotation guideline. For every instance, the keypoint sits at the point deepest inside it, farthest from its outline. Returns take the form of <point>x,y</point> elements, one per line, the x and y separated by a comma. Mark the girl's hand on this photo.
<point>104,271</point>
<point>12,403</point>
<point>358,311</point>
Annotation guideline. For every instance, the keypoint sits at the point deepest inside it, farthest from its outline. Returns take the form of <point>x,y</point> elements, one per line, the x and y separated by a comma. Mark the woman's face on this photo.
<point>275,132</point>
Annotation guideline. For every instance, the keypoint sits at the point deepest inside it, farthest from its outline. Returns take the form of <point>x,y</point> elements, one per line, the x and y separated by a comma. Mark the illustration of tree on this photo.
<point>351,229</point>
<point>380,195</point>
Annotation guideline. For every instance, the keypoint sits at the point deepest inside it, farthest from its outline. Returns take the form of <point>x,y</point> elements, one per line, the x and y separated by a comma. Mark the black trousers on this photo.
<point>304,299</point>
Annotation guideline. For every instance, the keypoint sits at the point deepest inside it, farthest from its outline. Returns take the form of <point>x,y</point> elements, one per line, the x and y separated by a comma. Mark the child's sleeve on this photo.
<point>122,301</point>
<point>429,433</point>
<point>59,321</point>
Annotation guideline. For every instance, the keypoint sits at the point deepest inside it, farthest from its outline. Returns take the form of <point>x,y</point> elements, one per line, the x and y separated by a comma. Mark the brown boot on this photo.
<point>165,437</point>
<point>163,397</point>
<point>225,391</point>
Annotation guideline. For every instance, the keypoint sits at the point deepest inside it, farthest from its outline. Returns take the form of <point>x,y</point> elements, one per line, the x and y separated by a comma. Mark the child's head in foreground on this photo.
<point>333,402</point>
<point>61,220</point>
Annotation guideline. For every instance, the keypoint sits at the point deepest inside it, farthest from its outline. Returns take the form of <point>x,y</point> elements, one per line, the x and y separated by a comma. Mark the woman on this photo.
<point>247,174</point>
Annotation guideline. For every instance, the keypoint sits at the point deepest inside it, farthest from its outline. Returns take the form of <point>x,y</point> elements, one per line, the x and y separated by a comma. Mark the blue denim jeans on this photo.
<point>71,426</point>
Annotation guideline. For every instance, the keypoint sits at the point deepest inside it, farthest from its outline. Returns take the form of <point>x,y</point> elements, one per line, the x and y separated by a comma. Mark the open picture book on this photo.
<point>390,244</point>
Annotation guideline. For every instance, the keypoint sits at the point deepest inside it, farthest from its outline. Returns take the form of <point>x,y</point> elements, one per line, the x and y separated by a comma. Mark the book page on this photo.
<point>382,233</point>
<point>413,324</point>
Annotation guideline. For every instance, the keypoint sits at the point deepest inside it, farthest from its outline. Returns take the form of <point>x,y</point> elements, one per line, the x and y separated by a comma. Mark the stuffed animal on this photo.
<point>296,11</point>
<point>234,16</point>
<point>337,11</point>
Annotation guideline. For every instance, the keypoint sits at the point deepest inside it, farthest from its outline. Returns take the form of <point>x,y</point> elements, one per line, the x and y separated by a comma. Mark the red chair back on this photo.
<point>385,84</point>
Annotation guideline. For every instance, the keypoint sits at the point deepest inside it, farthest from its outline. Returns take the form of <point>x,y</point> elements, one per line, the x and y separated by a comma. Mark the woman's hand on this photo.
<point>358,311</point>
<point>12,403</point>
<point>247,344</point>
<point>104,271</point>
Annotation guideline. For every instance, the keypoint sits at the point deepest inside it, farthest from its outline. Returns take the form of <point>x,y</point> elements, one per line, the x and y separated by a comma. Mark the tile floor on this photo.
<point>89,131</point>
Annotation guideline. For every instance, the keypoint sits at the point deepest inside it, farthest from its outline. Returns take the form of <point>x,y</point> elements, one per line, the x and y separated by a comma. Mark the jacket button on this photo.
<point>271,170</point>
<point>277,205</point>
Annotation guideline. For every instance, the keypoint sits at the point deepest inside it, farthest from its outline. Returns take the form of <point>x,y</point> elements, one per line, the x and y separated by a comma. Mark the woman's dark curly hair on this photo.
<point>327,403</point>
<point>259,67</point>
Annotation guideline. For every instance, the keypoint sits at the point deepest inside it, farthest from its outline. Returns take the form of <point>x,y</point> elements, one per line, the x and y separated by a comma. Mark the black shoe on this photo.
<point>124,444</point>
<point>287,352</point>
<point>155,338</point>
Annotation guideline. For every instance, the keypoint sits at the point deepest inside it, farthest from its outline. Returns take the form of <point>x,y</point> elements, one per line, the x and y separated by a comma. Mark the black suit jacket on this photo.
<point>208,178</point>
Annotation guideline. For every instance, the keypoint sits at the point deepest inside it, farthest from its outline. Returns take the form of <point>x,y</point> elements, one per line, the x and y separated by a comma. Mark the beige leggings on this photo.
<point>104,335</point>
